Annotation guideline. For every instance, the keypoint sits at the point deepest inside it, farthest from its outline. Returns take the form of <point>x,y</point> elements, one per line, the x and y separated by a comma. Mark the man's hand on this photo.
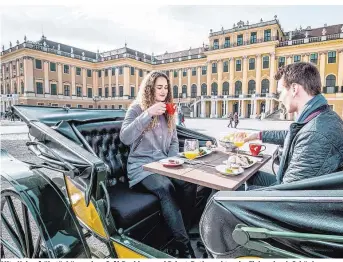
<point>157,109</point>
<point>252,137</point>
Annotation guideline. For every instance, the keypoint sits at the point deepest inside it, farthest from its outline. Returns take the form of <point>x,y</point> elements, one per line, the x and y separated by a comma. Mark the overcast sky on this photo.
<point>148,28</point>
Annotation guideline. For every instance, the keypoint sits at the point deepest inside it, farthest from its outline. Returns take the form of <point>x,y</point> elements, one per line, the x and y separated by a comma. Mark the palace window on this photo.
<point>120,70</point>
<point>106,72</point>
<point>194,91</point>
<point>267,35</point>
<point>140,73</point>
<point>227,42</point>
<point>184,91</point>
<point>53,89</point>
<point>240,40</point>
<point>175,92</point>
<point>238,65</point>
<point>216,44</point>
<point>99,73</point>
<point>121,91</point>
<point>251,87</point>
<point>314,58</point>
<point>184,72</point>
<point>22,89</point>
<point>66,90</point>
<point>265,62</point>
<point>251,63</point>
<point>39,88</point>
<point>175,73</point>
<point>66,69</point>
<point>89,73</point>
<point>79,106</point>
<point>332,57</point>
<point>113,91</point>
<point>79,91</point>
<point>132,91</point>
<point>203,89</point>
<point>214,89</point>
<point>90,106</point>
<point>89,92</point>
<point>214,68</point>
<point>78,71</point>
<point>132,69</point>
<point>52,67</point>
<point>253,37</point>
<point>282,61</point>
<point>204,70</point>
<point>226,66</point>
<point>194,71</point>
<point>330,81</point>
<point>225,88</point>
<point>106,92</point>
<point>100,91</point>
<point>113,71</point>
<point>38,64</point>
<point>296,58</point>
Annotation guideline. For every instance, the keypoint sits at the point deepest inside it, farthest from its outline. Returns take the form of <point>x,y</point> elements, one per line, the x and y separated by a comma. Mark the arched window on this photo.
<point>194,91</point>
<point>214,89</point>
<point>265,86</point>
<point>225,88</point>
<point>238,88</point>
<point>175,92</point>
<point>251,87</point>
<point>330,80</point>
<point>184,91</point>
<point>204,90</point>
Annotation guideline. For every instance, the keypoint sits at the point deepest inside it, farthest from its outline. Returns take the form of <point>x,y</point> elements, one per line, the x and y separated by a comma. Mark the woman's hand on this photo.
<point>252,137</point>
<point>157,109</point>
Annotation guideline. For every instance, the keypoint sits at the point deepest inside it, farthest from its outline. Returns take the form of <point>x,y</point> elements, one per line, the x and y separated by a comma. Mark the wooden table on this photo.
<point>205,175</point>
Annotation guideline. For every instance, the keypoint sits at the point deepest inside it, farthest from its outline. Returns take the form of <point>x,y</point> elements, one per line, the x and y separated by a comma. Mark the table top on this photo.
<point>208,176</point>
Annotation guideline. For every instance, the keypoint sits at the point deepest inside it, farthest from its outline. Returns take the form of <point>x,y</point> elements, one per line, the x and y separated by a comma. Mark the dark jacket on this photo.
<point>310,149</point>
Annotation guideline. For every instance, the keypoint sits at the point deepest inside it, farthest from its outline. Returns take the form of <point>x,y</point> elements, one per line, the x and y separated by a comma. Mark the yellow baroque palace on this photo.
<point>233,73</point>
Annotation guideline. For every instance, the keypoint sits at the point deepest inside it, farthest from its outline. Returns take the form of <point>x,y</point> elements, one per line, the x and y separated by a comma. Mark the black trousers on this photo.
<point>177,200</point>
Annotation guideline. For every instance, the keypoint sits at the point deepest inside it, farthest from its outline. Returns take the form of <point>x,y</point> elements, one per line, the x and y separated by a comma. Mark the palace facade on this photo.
<point>233,73</point>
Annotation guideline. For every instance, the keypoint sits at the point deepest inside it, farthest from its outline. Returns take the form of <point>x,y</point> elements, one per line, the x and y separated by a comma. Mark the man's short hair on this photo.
<point>301,73</point>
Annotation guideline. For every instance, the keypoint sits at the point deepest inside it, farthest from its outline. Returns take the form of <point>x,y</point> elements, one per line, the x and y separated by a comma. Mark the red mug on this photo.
<point>171,108</point>
<point>255,149</point>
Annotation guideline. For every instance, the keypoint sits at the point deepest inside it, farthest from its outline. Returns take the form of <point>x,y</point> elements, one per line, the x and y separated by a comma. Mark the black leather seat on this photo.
<point>128,206</point>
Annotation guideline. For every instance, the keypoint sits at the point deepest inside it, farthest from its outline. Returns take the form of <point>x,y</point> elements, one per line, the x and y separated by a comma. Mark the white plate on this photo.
<point>253,163</point>
<point>167,162</point>
<point>208,151</point>
<point>222,169</point>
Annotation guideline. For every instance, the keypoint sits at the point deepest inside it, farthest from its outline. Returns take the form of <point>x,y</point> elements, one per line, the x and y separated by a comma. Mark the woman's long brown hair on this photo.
<point>146,97</point>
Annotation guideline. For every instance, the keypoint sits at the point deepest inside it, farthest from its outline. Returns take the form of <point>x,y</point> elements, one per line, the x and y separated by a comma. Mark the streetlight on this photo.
<point>96,99</point>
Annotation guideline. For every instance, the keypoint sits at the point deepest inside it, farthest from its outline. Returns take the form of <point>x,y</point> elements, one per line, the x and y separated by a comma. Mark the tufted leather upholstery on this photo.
<point>104,140</point>
<point>128,207</point>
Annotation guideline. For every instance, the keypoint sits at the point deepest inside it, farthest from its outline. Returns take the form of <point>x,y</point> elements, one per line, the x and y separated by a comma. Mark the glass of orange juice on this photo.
<point>191,148</point>
<point>238,139</point>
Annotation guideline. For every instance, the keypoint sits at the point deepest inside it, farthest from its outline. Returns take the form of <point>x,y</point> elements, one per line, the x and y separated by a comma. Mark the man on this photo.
<point>235,118</point>
<point>313,145</point>
<point>230,120</point>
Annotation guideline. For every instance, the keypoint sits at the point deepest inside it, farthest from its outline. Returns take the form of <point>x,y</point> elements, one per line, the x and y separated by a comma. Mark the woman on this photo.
<point>151,134</point>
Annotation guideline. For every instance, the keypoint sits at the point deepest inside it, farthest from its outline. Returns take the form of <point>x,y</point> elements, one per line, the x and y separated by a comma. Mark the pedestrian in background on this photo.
<point>230,117</point>
<point>235,118</point>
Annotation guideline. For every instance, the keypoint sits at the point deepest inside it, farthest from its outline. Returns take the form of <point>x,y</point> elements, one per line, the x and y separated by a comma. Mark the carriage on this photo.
<point>302,219</point>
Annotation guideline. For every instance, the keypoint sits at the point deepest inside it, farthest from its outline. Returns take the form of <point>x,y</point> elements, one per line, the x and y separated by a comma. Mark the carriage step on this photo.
<point>97,253</point>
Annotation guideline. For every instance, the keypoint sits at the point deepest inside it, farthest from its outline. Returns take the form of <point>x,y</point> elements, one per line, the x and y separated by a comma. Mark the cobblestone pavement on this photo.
<point>14,136</point>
